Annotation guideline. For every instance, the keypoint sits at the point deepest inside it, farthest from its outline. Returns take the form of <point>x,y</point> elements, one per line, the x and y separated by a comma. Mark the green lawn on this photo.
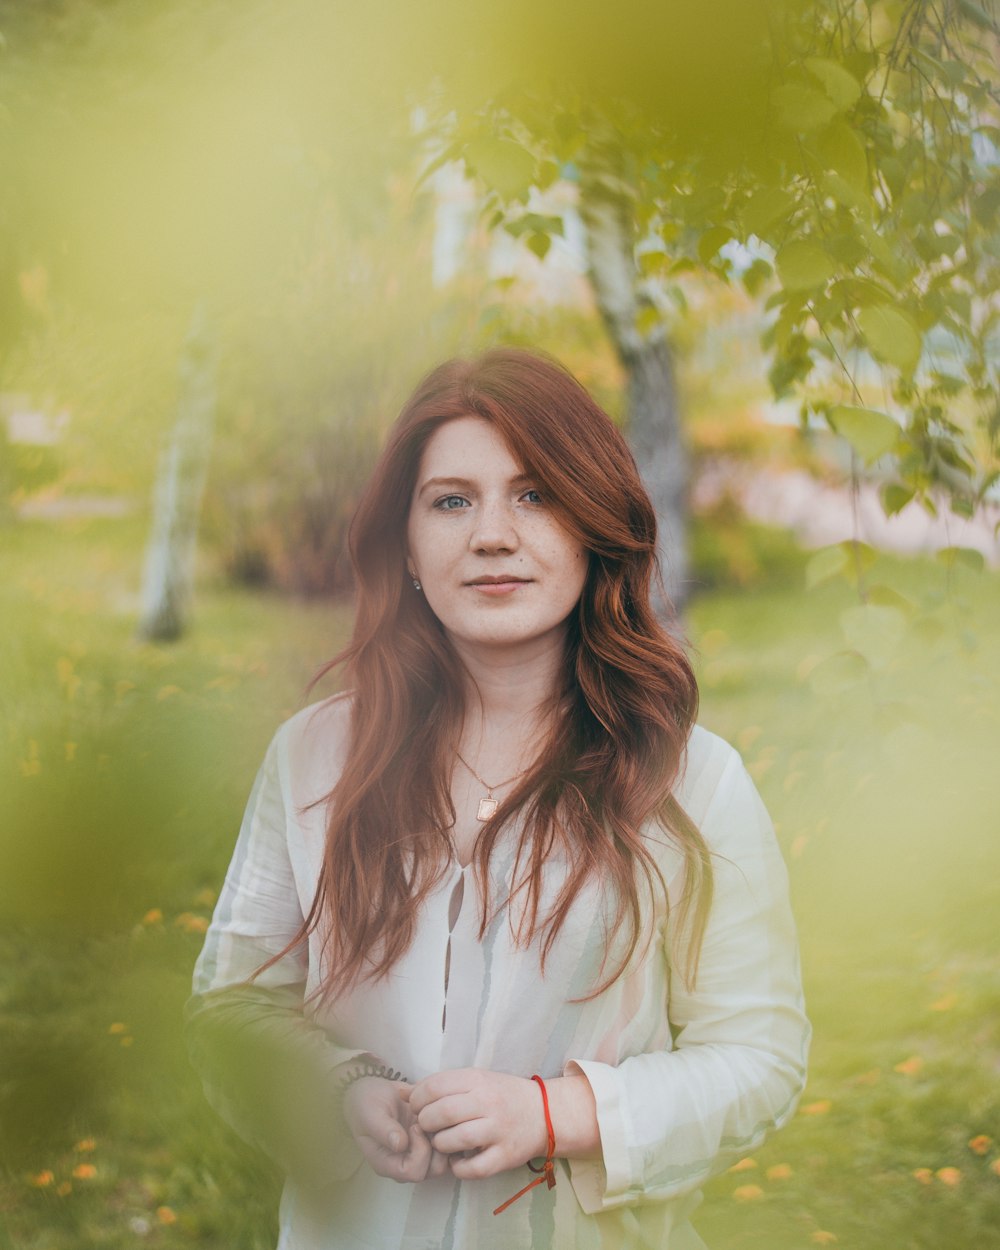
<point>121,788</point>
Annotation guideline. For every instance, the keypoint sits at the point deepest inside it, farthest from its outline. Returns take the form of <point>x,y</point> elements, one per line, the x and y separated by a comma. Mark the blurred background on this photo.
<point>232,238</point>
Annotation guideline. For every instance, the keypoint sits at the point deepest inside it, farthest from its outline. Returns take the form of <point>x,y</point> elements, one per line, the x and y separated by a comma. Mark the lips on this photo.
<point>500,580</point>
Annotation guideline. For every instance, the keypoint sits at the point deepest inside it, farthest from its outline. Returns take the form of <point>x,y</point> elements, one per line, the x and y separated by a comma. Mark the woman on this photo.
<point>501,901</point>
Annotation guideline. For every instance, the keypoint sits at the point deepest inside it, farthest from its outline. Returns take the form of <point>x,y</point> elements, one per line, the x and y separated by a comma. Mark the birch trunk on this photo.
<point>180,484</point>
<point>652,406</point>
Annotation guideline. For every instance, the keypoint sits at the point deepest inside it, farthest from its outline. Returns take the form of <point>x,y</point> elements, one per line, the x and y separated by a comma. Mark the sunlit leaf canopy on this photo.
<point>159,153</point>
<point>159,149</point>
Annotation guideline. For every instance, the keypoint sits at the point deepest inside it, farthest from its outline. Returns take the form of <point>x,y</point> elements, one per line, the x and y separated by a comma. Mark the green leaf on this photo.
<point>832,184</point>
<point>839,148</point>
<point>839,673</point>
<point>648,320</point>
<point>870,433</point>
<point>766,207</point>
<point>891,336</point>
<point>839,83</point>
<point>962,506</point>
<point>895,497</point>
<point>964,557</point>
<point>539,244</point>
<point>860,557</point>
<point>978,15</point>
<point>886,597</point>
<point>859,291</point>
<point>756,274</point>
<point>875,631</point>
<point>826,564</point>
<point>652,262</point>
<point>802,109</point>
<point>536,222</point>
<point>711,241</point>
<point>802,264</point>
<point>502,164</point>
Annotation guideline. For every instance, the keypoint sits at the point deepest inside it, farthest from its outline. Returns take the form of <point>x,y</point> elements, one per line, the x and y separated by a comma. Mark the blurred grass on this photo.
<point>121,790</point>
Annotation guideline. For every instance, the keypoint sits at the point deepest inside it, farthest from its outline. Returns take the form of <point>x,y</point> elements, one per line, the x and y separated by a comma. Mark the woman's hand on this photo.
<point>497,1117</point>
<point>378,1114</point>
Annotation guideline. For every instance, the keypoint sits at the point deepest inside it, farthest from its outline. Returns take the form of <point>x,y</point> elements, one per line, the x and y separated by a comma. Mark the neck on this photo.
<point>509,689</point>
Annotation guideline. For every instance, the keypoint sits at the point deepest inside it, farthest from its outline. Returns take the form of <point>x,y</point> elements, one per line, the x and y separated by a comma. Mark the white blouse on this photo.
<point>685,1079</point>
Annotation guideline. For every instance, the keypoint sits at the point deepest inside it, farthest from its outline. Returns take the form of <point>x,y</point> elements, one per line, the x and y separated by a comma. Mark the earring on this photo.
<point>416,584</point>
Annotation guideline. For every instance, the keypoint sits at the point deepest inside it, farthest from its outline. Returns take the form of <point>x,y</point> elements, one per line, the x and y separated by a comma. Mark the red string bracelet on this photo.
<point>547,1170</point>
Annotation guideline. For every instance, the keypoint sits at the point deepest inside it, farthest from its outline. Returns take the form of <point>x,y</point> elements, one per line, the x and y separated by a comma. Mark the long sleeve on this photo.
<point>669,1119</point>
<point>266,1068</point>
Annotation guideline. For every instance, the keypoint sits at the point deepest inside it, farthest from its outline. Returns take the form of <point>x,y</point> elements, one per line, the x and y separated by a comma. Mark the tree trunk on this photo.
<point>180,483</point>
<point>653,412</point>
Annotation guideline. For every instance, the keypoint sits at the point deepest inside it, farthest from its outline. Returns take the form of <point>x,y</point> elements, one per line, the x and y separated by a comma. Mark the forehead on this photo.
<point>467,447</point>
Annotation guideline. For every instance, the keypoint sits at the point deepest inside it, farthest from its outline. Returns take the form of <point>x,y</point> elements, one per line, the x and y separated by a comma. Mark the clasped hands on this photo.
<point>469,1121</point>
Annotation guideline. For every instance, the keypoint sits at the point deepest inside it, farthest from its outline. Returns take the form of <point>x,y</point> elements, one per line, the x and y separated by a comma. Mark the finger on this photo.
<point>478,1166</point>
<point>407,1167</point>
<point>417,1158</point>
<point>452,1081</point>
<point>448,1111</point>
<point>472,1135</point>
<point>387,1130</point>
<point>438,1165</point>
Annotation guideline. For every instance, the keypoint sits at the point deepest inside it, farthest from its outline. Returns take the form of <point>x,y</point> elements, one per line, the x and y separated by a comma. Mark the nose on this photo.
<point>495,529</point>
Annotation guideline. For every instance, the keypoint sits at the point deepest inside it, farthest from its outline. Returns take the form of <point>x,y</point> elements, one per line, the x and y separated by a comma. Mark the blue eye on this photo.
<point>535,497</point>
<point>450,503</point>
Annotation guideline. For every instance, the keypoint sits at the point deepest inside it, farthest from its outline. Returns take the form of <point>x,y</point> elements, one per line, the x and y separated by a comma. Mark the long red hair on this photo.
<point>620,722</point>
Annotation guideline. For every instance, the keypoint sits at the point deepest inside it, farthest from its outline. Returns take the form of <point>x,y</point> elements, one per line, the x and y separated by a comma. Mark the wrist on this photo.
<point>574,1117</point>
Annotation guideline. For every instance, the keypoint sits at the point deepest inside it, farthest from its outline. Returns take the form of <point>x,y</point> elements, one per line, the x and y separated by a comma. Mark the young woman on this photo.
<point>501,902</point>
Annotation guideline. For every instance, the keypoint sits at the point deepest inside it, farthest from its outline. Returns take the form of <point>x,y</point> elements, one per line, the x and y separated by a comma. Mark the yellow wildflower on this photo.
<point>85,1145</point>
<point>41,1179</point>
<point>820,1107</point>
<point>744,1165</point>
<point>85,1171</point>
<point>980,1144</point>
<point>923,1175</point>
<point>166,1215</point>
<point>191,923</point>
<point>949,1176</point>
<point>779,1172</point>
<point>748,1193</point>
<point>910,1067</point>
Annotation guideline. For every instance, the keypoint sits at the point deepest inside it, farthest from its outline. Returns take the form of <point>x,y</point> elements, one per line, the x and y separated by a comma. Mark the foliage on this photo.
<point>858,198</point>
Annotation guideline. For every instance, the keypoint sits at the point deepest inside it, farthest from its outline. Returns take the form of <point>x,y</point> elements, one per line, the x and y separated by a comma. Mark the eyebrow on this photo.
<point>464,483</point>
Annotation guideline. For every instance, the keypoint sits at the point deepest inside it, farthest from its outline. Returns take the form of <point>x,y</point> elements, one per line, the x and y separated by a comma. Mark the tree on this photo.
<point>837,157</point>
<point>180,484</point>
<point>856,192</point>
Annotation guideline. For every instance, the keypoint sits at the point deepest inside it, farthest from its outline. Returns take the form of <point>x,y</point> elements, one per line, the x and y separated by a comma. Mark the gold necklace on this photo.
<point>488,805</point>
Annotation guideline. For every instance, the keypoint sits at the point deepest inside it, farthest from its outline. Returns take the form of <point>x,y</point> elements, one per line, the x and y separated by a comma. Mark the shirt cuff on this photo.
<point>605,1182</point>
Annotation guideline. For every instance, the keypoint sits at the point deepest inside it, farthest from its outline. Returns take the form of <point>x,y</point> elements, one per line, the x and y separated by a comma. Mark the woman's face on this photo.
<point>495,566</point>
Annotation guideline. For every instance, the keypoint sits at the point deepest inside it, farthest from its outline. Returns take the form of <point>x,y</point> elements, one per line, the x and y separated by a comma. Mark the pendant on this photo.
<point>487,808</point>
